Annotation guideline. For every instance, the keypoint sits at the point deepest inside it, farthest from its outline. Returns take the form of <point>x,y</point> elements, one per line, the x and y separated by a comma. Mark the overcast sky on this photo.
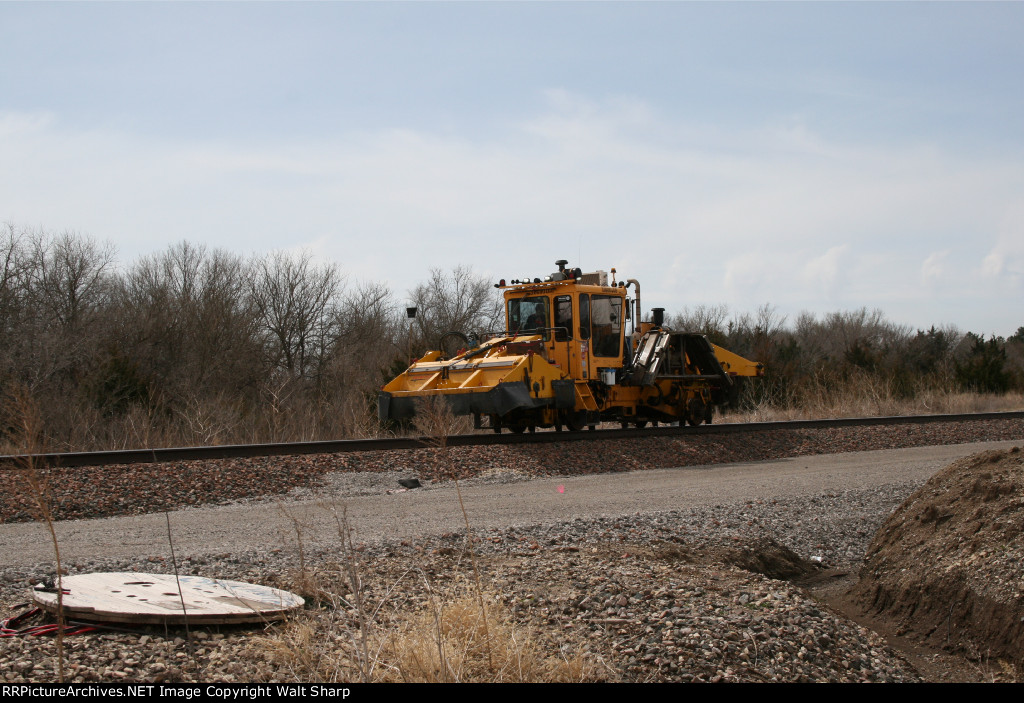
<point>813,156</point>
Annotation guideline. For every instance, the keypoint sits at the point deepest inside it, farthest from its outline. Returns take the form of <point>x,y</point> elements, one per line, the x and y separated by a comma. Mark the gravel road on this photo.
<point>379,510</point>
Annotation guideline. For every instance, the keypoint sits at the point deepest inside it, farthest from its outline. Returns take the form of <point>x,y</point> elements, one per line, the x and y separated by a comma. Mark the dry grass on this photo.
<point>873,397</point>
<point>964,402</point>
<point>449,640</point>
<point>456,644</point>
<point>78,426</point>
<point>67,426</point>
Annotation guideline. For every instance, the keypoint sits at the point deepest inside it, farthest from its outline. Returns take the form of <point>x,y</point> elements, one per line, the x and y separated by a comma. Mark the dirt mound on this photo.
<point>948,565</point>
<point>769,558</point>
<point>762,556</point>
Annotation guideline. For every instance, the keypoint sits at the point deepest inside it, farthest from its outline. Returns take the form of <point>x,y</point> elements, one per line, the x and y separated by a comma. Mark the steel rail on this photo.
<point>241,451</point>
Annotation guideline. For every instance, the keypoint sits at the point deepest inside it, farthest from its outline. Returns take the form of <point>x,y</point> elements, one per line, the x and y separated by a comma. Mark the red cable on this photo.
<point>9,627</point>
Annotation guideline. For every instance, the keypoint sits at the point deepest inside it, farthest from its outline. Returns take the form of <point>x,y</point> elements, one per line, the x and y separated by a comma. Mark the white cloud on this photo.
<point>696,213</point>
<point>933,269</point>
<point>18,125</point>
<point>1005,260</point>
<point>828,273</point>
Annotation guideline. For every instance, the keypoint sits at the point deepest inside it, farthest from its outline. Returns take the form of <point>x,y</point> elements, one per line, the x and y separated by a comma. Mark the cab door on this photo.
<point>584,372</point>
<point>562,344</point>
<point>602,315</point>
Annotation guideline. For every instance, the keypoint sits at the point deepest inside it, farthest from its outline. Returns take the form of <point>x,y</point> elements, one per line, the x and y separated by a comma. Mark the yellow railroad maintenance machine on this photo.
<point>566,359</point>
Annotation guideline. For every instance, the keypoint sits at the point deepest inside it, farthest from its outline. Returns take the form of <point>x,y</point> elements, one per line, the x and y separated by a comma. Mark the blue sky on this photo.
<point>811,156</point>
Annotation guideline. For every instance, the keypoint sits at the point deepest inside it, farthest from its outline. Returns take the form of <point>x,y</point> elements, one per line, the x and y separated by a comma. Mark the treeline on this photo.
<point>193,346</point>
<point>823,363</point>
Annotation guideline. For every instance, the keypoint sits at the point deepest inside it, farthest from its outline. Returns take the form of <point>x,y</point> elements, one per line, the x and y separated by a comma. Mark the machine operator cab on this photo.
<point>576,320</point>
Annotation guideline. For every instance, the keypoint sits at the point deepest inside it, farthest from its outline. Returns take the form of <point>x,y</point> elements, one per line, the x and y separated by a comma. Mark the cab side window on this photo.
<point>563,318</point>
<point>606,322</point>
<point>585,316</point>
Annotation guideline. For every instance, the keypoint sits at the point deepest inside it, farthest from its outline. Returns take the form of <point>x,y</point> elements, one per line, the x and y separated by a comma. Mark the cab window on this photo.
<point>563,318</point>
<point>584,316</point>
<point>528,315</point>
<point>606,325</point>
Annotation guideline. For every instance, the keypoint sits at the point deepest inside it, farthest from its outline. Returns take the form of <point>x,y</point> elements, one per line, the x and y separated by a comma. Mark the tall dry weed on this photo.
<point>434,418</point>
<point>27,426</point>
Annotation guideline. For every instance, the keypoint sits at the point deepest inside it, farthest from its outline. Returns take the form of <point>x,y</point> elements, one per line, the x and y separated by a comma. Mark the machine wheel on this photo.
<point>517,429</point>
<point>640,424</point>
<point>575,421</point>
<point>696,414</point>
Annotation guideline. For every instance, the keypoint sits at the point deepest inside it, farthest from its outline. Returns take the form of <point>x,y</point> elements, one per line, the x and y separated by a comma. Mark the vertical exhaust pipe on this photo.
<point>636,284</point>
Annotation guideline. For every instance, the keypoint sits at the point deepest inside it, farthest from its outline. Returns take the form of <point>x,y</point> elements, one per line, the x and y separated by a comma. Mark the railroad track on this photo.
<point>237,451</point>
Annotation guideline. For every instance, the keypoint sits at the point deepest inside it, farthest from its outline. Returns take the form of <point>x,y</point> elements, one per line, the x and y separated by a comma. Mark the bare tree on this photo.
<point>71,273</point>
<point>755,336</point>
<point>367,313</point>
<point>294,300</point>
<point>456,300</point>
<point>64,285</point>
<point>187,329</point>
<point>53,290</point>
<point>367,327</point>
<point>14,269</point>
<point>709,320</point>
<point>849,334</point>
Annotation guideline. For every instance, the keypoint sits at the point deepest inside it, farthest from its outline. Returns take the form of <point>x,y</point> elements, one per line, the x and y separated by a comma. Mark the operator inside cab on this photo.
<point>528,314</point>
